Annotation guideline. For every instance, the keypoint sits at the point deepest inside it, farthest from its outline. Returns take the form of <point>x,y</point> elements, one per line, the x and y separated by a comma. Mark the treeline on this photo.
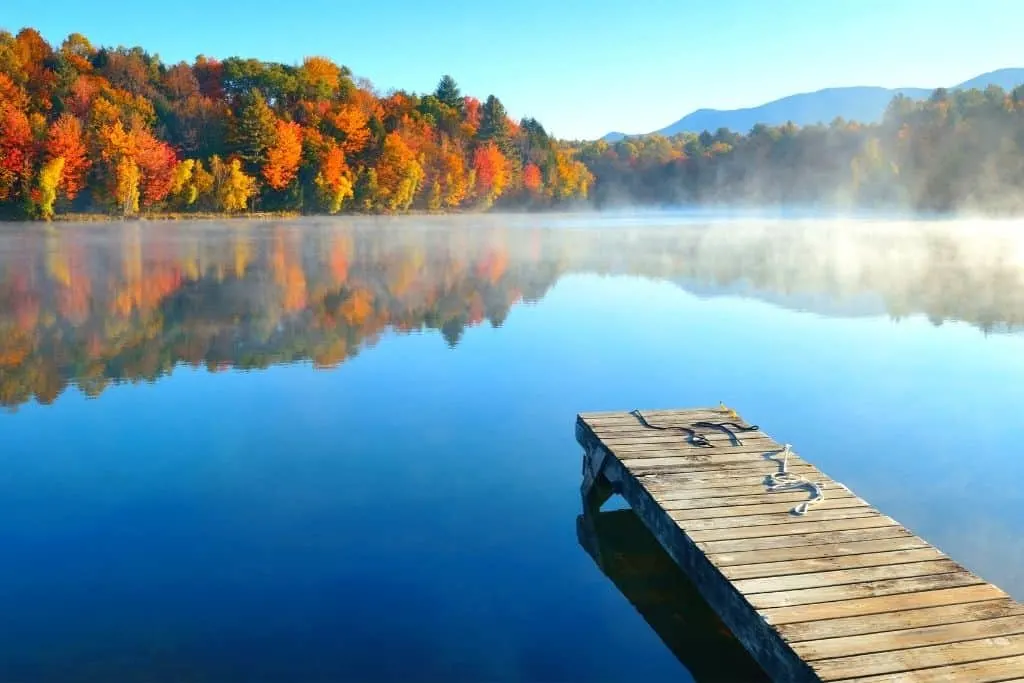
<point>117,131</point>
<point>955,150</point>
<point>86,129</point>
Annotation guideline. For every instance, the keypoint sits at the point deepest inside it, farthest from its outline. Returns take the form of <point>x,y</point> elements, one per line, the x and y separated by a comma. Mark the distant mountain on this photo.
<point>1007,79</point>
<point>865,104</point>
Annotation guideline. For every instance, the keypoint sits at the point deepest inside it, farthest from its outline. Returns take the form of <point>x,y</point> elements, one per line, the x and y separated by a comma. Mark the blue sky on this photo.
<point>581,67</point>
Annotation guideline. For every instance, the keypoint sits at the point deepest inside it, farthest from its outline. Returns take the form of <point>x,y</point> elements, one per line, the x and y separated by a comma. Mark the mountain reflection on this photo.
<point>92,305</point>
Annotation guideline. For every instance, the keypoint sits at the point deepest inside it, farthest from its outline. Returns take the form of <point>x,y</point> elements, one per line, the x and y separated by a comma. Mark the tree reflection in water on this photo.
<point>91,305</point>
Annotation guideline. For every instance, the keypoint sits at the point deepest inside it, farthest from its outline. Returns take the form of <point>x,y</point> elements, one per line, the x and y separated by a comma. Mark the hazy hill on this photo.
<point>864,103</point>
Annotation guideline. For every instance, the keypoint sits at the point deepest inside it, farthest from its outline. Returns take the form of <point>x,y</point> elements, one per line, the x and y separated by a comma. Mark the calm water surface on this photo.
<point>343,450</point>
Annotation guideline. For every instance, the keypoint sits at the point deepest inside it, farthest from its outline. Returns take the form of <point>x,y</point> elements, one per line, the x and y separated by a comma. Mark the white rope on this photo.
<point>784,480</point>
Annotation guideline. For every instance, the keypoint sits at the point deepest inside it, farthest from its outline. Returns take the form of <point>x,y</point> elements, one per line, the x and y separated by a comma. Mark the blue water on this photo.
<point>404,509</point>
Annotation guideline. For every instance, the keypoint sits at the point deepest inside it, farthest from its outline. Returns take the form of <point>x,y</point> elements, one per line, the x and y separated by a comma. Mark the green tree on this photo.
<point>494,124</point>
<point>448,92</point>
<point>254,130</point>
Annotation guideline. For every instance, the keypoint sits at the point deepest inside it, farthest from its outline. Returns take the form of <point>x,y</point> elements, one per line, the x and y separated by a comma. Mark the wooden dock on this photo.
<point>840,593</point>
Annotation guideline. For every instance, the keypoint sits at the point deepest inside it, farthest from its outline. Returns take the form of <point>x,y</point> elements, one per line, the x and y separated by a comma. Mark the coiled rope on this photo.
<point>784,480</point>
<point>692,436</point>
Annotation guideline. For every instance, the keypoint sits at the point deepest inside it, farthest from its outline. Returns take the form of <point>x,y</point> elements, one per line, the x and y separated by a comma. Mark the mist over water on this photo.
<point>243,451</point>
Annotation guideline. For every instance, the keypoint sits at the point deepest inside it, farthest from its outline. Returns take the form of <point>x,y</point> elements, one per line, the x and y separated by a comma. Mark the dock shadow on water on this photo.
<point>631,557</point>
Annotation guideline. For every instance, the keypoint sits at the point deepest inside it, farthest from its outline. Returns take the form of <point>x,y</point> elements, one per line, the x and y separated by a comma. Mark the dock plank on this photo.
<point>840,577</point>
<point>714,498</point>
<point>841,593</point>
<point>886,641</point>
<point>780,519</point>
<point>829,562</point>
<point>838,596</point>
<point>799,527</point>
<point>751,495</point>
<point>769,507</point>
<point>919,617</point>
<point>880,604</point>
<point>912,659</point>
<point>1001,670</point>
<point>813,540</point>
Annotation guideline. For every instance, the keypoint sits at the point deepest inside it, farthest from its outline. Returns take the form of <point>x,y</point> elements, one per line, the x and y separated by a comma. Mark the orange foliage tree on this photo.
<point>65,140</point>
<point>284,156</point>
<point>492,172</point>
<point>17,152</point>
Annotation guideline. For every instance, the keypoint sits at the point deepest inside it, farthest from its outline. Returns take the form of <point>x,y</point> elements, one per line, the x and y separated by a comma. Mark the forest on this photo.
<point>115,131</point>
<point>955,151</point>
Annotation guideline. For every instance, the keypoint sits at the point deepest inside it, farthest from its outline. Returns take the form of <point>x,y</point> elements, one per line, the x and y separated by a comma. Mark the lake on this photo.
<point>343,449</point>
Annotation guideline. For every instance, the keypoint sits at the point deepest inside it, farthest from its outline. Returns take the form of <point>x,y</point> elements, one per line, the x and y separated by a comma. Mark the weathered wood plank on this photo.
<point>898,620</point>
<point>780,518</point>
<point>716,498</point>
<point>888,641</point>
<point>792,528</point>
<point>880,604</point>
<point>654,449</point>
<point>813,539</point>
<point>862,548</point>
<point>763,508</point>
<point>751,495</point>
<point>1003,670</point>
<point>720,440</point>
<point>676,483</point>
<point>920,658</point>
<point>839,577</point>
<point>836,595</point>
<point>661,458</point>
<point>753,469</point>
<point>828,562</point>
<point>709,412</point>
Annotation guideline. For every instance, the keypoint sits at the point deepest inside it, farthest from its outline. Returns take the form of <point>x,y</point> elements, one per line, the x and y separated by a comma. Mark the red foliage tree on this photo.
<point>16,151</point>
<point>532,179</point>
<point>64,139</point>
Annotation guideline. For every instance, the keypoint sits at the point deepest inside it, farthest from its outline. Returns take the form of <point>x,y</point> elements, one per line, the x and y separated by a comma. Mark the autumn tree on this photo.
<point>157,162</point>
<point>532,179</point>
<point>126,185</point>
<point>17,153</point>
<point>283,156</point>
<point>333,178</point>
<point>49,181</point>
<point>492,174</point>
<point>453,177</point>
<point>398,174</point>
<point>65,140</point>
<point>232,188</point>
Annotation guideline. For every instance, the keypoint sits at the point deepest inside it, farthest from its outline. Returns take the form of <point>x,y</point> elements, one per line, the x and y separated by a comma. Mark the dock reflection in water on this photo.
<point>628,554</point>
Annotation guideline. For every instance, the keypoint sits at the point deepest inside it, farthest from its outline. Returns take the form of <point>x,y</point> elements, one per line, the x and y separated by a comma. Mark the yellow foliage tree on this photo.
<point>126,193</point>
<point>232,188</point>
<point>568,178</point>
<point>399,174</point>
<point>333,179</point>
<point>49,181</point>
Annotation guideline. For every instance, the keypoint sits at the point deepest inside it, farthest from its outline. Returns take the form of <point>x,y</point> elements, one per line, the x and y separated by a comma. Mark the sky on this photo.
<point>581,67</point>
